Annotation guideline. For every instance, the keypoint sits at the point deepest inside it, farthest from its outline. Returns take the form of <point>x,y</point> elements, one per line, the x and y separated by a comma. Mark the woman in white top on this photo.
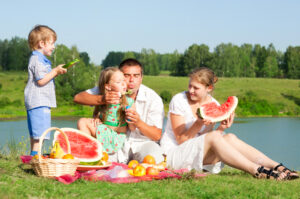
<point>191,142</point>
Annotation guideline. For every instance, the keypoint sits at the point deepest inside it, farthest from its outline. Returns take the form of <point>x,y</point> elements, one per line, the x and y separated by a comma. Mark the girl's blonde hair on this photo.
<point>104,79</point>
<point>204,76</point>
<point>40,33</point>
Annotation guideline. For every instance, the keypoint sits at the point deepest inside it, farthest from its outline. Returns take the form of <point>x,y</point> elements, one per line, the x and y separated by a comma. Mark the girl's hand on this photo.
<point>132,117</point>
<point>209,125</point>
<point>95,122</point>
<point>226,123</point>
<point>205,122</point>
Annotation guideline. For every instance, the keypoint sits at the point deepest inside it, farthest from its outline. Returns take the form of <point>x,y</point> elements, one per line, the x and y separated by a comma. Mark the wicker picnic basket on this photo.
<point>53,167</point>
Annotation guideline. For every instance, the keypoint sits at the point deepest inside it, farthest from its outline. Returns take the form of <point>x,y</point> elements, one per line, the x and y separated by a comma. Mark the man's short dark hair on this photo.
<point>131,62</point>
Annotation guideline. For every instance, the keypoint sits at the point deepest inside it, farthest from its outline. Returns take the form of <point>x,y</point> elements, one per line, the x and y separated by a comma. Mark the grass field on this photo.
<point>19,181</point>
<point>284,93</point>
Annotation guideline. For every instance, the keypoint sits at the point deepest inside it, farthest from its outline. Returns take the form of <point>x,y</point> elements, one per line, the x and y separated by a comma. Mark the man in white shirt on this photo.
<point>148,116</point>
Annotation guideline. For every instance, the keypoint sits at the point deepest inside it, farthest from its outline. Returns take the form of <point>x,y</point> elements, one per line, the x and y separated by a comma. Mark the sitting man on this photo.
<point>148,116</point>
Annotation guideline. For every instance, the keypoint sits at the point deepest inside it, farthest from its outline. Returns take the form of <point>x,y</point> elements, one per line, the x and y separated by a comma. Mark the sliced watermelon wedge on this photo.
<point>83,146</point>
<point>216,113</point>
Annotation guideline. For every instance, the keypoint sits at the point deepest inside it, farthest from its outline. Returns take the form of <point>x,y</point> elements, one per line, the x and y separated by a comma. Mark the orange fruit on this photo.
<point>133,163</point>
<point>104,156</point>
<point>149,159</point>
<point>68,156</point>
<point>139,170</point>
<point>152,171</point>
<point>35,157</point>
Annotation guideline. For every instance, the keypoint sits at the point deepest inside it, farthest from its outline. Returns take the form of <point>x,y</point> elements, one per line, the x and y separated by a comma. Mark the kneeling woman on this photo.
<point>190,142</point>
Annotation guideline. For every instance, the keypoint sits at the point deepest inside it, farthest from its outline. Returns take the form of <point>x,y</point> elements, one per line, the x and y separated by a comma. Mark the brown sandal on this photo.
<point>291,175</point>
<point>263,173</point>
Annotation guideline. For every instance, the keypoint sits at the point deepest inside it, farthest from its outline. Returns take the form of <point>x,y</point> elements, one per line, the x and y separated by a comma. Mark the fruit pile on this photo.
<point>56,153</point>
<point>147,167</point>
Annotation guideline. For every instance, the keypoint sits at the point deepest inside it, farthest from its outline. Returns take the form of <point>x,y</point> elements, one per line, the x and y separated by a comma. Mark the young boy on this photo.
<point>40,89</point>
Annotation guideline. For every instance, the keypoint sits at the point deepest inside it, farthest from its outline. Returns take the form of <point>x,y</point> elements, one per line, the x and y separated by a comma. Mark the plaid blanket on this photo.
<point>109,174</point>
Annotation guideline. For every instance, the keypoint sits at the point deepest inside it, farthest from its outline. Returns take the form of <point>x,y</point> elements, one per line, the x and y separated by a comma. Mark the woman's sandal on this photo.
<point>268,174</point>
<point>291,175</point>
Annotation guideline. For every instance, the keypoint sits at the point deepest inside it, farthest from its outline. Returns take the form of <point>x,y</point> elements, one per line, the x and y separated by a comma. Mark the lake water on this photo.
<point>278,138</point>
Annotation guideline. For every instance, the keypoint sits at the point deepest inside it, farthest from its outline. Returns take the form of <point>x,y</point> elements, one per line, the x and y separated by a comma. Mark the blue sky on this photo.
<point>98,27</point>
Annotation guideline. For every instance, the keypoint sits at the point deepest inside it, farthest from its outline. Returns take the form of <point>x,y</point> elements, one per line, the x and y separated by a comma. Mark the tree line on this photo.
<point>227,60</point>
<point>15,53</point>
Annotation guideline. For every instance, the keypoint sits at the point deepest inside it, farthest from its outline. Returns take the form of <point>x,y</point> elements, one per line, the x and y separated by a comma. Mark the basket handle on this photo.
<point>43,137</point>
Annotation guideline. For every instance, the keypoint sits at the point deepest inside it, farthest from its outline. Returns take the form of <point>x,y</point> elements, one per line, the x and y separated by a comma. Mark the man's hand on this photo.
<point>112,97</point>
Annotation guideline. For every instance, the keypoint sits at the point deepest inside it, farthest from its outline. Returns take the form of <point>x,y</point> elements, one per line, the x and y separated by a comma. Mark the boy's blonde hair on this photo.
<point>204,76</point>
<point>104,78</point>
<point>40,33</point>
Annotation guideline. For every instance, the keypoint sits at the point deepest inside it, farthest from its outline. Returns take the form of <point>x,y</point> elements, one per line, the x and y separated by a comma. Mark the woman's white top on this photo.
<point>179,106</point>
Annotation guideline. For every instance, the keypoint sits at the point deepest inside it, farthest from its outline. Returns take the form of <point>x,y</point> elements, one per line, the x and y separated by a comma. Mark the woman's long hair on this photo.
<point>104,79</point>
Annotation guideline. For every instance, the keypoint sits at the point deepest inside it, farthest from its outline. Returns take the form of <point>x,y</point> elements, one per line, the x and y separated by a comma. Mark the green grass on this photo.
<point>19,181</point>
<point>282,93</point>
<point>164,73</point>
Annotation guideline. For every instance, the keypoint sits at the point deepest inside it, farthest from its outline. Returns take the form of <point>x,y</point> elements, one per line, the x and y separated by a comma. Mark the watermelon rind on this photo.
<point>225,112</point>
<point>93,140</point>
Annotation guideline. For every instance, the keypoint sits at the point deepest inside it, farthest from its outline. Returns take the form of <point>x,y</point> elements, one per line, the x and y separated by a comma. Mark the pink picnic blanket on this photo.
<point>111,174</point>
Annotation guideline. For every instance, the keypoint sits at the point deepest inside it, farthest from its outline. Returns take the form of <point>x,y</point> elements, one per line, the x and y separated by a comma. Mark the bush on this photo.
<point>166,96</point>
<point>17,103</point>
<point>4,101</point>
<point>250,104</point>
<point>20,77</point>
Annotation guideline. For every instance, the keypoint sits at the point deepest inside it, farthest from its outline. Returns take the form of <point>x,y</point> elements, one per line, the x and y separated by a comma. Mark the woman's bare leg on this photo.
<point>250,152</point>
<point>217,147</point>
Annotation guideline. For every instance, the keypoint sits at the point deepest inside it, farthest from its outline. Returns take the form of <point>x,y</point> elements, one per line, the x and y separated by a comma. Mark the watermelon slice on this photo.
<point>215,113</point>
<point>83,146</point>
<point>68,65</point>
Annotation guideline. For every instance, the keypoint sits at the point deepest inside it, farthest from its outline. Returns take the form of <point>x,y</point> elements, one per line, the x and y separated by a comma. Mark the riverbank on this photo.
<point>258,97</point>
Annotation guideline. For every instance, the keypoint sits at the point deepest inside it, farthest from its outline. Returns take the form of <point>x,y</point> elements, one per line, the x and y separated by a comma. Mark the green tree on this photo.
<point>149,61</point>
<point>292,62</point>
<point>84,56</point>
<point>113,59</point>
<point>175,57</point>
<point>270,68</point>
<point>16,54</point>
<point>195,56</point>
<point>180,69</point>
<point>247,62</point>
<point>280,58</point>
<point>261,55</point>
<point>78,78</point>
<point>227,61</point>
<point>128,54</point>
